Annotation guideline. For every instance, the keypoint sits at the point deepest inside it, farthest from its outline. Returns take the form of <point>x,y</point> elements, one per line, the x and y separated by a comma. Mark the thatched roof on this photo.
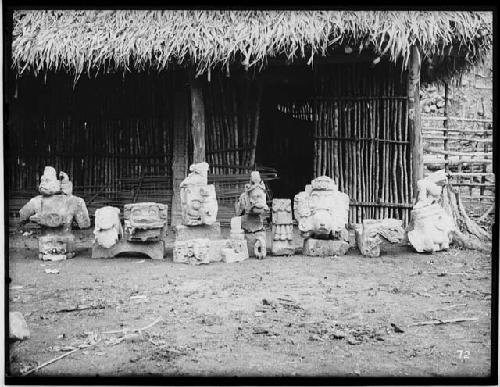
<point>121,40</point>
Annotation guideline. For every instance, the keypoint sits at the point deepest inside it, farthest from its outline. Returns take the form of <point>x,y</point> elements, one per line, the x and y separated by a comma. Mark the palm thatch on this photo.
<point>90,41</point>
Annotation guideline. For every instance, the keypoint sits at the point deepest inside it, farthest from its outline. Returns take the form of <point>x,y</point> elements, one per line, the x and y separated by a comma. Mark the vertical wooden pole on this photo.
<point>197,119</point>
<point>180,149</point>
<point>445,124</point>
<point>414,122</point>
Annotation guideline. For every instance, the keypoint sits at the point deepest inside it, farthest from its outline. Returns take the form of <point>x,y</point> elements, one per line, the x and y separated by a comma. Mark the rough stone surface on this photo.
<point>282,248</point>
<point>321,210</point>
<point>18,328</point>
<point>253,200</point>
<point>324,247</point>
<point>430,228</point>
<point>145,222</point>
<point>256,244</point>
<point>108,229</point>
<point>184,233</point>
<point>282,229</point>
<point>371,233</point>
<point>56,246</point>
<point>193,252</point>
<point>236,251</point>
<point>215,249</point>
<point>198,199</point>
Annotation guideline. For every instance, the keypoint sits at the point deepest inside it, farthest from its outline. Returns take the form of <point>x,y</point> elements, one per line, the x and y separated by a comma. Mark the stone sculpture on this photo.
<point>431,227</point>
<point>252,206</point>
<point>199,229</point>
<point>322,215</point>
<point>193,251</point>
<point>372,233</point>
<point>282,230</point>
<point>55,210</point>
<point>236,248</point>
<point>198,199</point>
<point>144,232</point>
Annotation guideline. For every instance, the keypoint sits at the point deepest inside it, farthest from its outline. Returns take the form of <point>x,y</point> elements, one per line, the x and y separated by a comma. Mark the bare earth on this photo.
<point>283,316</point>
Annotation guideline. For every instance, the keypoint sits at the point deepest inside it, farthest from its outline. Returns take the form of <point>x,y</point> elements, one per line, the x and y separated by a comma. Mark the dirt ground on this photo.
<point>282,316</point>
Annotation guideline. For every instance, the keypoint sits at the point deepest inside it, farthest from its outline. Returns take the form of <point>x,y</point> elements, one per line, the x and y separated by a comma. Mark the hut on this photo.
<point>124,100</point>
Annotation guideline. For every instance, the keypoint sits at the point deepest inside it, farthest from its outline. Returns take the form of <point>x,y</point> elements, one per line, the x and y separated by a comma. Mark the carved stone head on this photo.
<point>321,210</point>
<point>282,211</point>
<point>108,229</point>
<point>146,215</point>
<point>253,200</point>
<point>49,183</point>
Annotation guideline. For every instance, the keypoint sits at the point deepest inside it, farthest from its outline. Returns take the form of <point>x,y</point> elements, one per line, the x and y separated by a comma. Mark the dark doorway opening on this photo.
<point>286,131</point>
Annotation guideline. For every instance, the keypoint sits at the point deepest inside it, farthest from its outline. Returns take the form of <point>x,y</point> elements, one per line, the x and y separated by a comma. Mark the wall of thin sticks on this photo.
<point>464,148</point>
<point>112,135</point>
<point>361,137</point>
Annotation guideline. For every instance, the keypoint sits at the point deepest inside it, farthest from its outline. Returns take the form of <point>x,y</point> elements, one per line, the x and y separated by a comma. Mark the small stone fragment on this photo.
<point>18,328</point>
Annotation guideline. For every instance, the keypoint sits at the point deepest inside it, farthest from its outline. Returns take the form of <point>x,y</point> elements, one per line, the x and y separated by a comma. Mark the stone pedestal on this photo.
<point>256,242</point>
<point>282,248</point>
<point>184,233</point>
<point>193,251</point>
<point>324,247</point>
<point>154,250</point>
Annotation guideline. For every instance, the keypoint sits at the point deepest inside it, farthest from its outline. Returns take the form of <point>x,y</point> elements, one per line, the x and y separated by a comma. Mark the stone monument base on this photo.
<point>154,250</point>
<point>56,247</point>
<point>282,248</point>
<point>256,242</point>
<point>324,247</point>
<point>185,233</point>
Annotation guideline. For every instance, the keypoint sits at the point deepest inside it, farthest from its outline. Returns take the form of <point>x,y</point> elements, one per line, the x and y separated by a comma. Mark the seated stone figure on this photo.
<point>252,206</point>
<point>198,199</point>
<point>322,214</point>
<point>55,210</point>
<point>431,227</point>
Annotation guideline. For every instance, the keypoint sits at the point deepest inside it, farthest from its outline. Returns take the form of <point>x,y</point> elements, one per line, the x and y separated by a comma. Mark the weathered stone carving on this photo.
<point>55,210</point>
<point>252,206</point>
<point>108,228</point>
<point>193,251</point>
<point>145,230</point>
<point>322,214</point>
<point>282,230</point>
<point>198,199</point>
<point>431,227</point>
<point>372,233</point>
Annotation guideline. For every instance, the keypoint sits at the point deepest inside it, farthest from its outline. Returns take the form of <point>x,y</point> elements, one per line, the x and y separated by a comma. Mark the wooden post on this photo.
<point>197,119</point>
<point>445,124</point>
<point>180,150</point>
<point>414,122</point>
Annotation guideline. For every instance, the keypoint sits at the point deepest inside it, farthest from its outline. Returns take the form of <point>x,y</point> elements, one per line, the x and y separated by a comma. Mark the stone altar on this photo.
<point>252,206</point>
<point>322,215</point>
<point>55,210</point>
<point>282,229</point>
<point>372,233</point>
<point>431,227</point>
<point>144,232</point>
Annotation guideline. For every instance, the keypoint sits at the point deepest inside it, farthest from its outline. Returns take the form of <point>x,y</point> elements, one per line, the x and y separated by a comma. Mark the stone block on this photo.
<point>193,252</point>
<point>282,248</point>
<point>215,249</point>
<point>185,233</point>
<point>56,246</point>
<point>324,247</point>
<point>256,242</point>
<point>154,250</point>
<point>18,328</point>
<point>236,251</point>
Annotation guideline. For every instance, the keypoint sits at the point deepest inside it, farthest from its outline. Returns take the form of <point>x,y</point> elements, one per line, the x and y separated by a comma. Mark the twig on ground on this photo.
<point>439,322</point>
<point>80,307</point>
<point>58,358</point>
<point>134,329</point>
